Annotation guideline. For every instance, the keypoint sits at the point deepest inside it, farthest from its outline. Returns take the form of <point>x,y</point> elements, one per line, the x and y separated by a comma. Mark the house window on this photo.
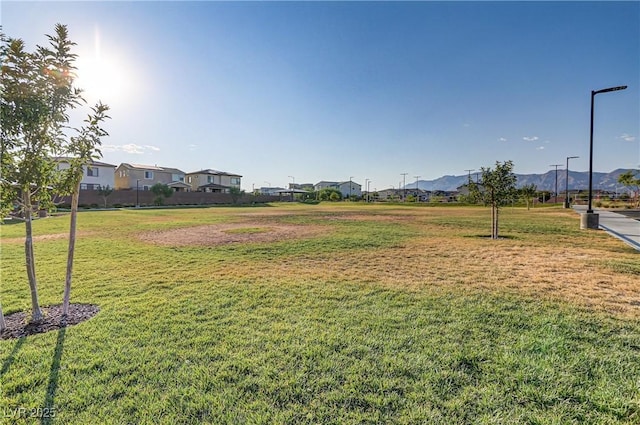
<point>92,172</point>
<point>148,175</point>
<point>189,179</point>
<point>235,181</point>
<point>209,179</point>
<point>83,186</point>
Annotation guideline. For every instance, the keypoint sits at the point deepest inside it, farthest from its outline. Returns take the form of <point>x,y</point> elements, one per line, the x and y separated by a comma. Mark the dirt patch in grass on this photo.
<point>51,237</point>
<point>18,324</point>
<point>221,234</point>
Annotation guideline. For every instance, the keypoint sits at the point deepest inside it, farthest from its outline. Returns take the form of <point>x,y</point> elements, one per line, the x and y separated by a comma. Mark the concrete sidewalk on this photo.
<point>625,228</point>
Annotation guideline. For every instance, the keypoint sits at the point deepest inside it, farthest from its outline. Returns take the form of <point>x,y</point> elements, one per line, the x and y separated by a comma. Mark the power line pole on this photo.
<point>555,194</point>
<point>404,186</point>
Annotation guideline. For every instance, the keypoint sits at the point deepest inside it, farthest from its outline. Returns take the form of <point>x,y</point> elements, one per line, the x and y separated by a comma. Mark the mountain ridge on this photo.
<point>577,180</point>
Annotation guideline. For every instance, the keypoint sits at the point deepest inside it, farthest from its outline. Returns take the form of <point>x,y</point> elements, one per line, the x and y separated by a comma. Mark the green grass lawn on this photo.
<point>382,314</point>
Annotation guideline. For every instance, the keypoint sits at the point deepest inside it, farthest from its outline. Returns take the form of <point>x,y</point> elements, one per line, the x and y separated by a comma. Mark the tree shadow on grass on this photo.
<point>485,236</point>
<point>7,362</point>
<point>49,406</point>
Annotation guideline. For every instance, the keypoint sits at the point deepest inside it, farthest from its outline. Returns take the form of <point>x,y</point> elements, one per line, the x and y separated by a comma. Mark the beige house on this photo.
<point>212,181</point>
<point>142,177</point>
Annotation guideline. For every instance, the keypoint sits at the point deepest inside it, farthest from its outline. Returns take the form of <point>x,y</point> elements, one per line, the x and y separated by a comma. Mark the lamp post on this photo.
<point>590,220</point>
<point>555,194</point>
<point>566,182</point>
<point>137,193</point>
<point>366,183</point>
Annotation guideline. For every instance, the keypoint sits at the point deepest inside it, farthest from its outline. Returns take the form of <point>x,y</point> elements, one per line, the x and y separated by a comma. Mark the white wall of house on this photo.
<point>324,185</point>
<point>94,176</point>
<point>350,188</point>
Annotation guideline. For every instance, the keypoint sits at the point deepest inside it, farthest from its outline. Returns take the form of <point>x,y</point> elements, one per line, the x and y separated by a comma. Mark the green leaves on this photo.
<point>499,184</point>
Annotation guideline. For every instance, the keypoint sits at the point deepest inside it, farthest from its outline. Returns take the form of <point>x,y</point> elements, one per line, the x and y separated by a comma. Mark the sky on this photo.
<point>283,92</point>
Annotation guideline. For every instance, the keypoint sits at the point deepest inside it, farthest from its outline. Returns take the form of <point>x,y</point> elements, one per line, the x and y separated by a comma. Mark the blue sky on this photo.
<point>330,90</point>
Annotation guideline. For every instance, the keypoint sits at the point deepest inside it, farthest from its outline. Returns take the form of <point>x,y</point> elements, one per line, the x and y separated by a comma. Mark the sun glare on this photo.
<point>101,76</point>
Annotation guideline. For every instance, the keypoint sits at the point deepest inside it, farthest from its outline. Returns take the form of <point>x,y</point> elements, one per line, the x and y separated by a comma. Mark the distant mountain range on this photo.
<point>546,181</point>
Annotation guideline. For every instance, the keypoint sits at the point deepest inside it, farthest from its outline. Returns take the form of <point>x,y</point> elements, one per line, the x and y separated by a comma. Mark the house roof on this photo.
<point>215,173</point>
<point>179,184</point>
<point>173,170</point>
<point>152,168</point>
<point>94,163</point>
<point>213,186</point>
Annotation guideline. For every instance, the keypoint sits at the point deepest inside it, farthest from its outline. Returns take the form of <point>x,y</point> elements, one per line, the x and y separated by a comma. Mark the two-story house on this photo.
<point>143,177</point>
<point>94,176</point>
<point>212,181</point>
<point>348,188</point>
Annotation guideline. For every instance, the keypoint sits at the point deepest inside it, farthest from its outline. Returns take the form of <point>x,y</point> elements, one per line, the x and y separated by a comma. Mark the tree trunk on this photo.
<point>493,216</point>
<point>3,324</point>
<point>36,314</point>
<point>72,246</point>
<point>496,223</point>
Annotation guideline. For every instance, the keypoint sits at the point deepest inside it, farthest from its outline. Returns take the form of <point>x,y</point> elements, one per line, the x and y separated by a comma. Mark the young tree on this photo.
<point>329,194</point>
<point>631,179</point>
<point>161,191</point>
<point>235,193</point>
<point>528,192</point>
<point>36,91</point>
<point>84,149</point>
<point>499,189</point>
<point>105,191</point>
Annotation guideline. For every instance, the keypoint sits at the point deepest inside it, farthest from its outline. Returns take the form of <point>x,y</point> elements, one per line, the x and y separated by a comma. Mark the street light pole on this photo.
<point>590,220</point>
<point>566,182</point>
<point>556,192</point>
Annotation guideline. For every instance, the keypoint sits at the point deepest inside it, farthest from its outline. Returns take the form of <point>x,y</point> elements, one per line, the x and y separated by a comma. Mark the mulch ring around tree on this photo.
<point>18,324</point>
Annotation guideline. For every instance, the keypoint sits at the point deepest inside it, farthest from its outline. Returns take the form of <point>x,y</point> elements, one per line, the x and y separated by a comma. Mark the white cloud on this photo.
<point>192,147</point>
<point>627,137</point>
<point>540,148</point>
<point>129,148</point>
<point>502,139</point>
<point>530,139</point>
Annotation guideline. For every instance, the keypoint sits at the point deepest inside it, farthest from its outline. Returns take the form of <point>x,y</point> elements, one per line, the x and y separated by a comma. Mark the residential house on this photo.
<point>325,185</point>
<point>389,194</point>
<point>274,191</point>
<point>143,177</point>
<point>347,188</point>
<point>94,176</point>
<point>212,181</point>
